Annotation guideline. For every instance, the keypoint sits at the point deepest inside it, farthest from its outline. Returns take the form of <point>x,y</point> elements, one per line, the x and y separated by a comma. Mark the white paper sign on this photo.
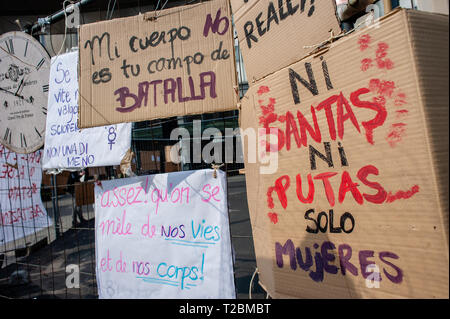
<point>164,236</point>
<point>66,146</point>
<point>22,211</point>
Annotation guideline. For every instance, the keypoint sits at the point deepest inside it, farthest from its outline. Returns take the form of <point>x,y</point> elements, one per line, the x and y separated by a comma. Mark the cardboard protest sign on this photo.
<point>164,236</point>
<point>358,207</point>
<point>159,64</point>
<point>274,34</point>
<point>66,146</point>
<point>22,211</point>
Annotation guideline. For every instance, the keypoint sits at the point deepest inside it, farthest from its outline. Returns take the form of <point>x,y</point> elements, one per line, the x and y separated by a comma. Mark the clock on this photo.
<point>24,76</point>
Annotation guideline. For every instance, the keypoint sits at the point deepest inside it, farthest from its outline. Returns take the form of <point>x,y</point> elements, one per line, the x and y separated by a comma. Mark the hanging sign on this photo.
<point>164,236</point>
<point>22,211</point>
<point>66,146</point>
<point>173,62</point>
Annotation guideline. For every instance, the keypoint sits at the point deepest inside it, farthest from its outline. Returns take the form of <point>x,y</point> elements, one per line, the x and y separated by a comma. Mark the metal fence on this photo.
<point>43,264</point>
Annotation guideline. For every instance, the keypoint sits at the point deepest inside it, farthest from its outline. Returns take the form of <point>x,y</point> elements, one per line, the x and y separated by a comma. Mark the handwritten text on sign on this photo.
<point>66,146</point>
<point>171,63</point>
<point>269,31</point>
<point>341,210</point>
<point>340,188</point>
<point>164,236</point>
<point>22,211</point>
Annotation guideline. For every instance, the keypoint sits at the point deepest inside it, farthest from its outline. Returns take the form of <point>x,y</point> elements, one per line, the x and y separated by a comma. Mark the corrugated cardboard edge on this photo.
<point>79,75</point>
<point>435,108</point>
<point>260,227</point>
<point>236,77</point>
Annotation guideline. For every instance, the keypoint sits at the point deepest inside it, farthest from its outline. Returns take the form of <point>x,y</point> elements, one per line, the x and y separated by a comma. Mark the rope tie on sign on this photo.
<point>159,11</point>
<point>65,26</point>
<point>251,283</point>
<point>215,167</point>
<point>152,16</point>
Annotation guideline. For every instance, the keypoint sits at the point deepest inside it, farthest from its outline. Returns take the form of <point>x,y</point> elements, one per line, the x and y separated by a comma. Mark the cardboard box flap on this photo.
<point>260,226</point>
<point>430,30</point>
<point>273,35</point>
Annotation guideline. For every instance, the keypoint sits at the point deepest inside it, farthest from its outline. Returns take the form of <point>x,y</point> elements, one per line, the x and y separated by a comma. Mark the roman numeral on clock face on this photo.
<point>10,46</point>
<point>23,140</point>
<point>37,132</point>
<point>7,136</point>
<point>38,66</point>
<point>26,48</point>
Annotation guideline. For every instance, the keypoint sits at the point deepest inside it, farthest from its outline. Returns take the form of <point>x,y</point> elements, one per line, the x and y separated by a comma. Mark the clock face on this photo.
<point>24,76</point>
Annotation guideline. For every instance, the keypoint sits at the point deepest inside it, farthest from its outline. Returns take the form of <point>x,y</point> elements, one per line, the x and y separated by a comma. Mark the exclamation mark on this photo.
<point>203,263</point>
<point>311,10</point>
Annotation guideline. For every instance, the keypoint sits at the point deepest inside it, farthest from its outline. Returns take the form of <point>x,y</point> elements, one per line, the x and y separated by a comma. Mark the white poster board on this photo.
<point>22,211</point>
<point>164,236</point>
<point>66,146</point>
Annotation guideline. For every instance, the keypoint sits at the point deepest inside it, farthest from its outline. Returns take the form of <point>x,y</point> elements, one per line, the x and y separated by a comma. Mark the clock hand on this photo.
<point>25,78</point>
<point>1,89</point>
<point>19,96</point>
<point>20,85</point>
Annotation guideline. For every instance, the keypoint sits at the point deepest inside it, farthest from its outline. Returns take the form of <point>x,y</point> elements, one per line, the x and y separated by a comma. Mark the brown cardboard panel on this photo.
<point>61,181</point>
<point>376,176</point>
<point>260,224</point>
<point>273,34</point>
<point>433,68</point>
<point>99,171</point>
<point>170,63</point>
<point>84,193</point>
<point>150,160</point>
<point>175,149</point>
<point>236,5</point>
<point>171,167</point>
